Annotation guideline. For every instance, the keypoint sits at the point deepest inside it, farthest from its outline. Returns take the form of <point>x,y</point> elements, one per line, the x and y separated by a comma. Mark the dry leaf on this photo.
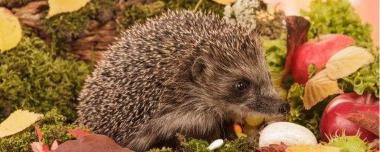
<point>55,145</point>
<point>64,6</point>
<point>224,2</point>
<point>10,30</point>
<point>297,27</point>
<point>312,148</point>
<point>319,87</point>
<point>347,61</point>
<point>91,143</point>
<point>18,121</point>
<point>273,148</point>
<point>41,146</point>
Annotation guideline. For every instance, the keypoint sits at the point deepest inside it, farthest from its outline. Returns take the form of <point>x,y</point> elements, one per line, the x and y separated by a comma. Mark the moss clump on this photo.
<point>205,6</point>
<point>363,80</point>
<point>163,149</point>
<point>338,16</point>
<point>67,27</point>
<point>139,12</point>
<point>195,145</point>
<point>298,114</point>
<point>275,54</point>
<point>31,78</point>
<point>52,126</point>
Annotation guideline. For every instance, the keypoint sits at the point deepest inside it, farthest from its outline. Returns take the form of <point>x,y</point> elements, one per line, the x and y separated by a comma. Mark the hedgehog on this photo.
<point>179,73</point>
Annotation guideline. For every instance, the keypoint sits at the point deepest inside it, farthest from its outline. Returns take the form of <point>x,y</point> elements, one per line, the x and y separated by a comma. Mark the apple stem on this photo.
<point>317,35</point>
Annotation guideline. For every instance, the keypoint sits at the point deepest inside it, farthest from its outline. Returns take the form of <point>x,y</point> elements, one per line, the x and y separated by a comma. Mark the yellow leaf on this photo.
<point>18,121</point>
<point>63,6</point>
<point>319,87</point>
<point>312,148</point>
<point>224,2</point>
<point>10,30</point>
<point>347,61</point>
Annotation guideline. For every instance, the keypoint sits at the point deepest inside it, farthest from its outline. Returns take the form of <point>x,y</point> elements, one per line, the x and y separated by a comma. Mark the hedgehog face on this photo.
<point>237,79</point>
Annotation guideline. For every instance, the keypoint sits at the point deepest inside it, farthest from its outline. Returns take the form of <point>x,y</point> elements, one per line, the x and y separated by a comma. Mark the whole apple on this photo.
<point>317,52</point>
<point>334,119</point>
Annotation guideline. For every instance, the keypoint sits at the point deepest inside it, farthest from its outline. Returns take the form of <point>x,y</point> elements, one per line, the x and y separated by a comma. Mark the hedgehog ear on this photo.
<point>197,68</point>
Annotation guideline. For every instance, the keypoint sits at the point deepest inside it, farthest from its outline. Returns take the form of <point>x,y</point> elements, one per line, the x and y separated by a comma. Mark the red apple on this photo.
<point>334,119</point>
<point>317,52</point>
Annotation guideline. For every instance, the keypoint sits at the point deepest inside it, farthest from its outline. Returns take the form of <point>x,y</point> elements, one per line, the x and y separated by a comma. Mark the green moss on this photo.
<point>31,78</point>
<point>205,6</point>
<point>52,126</point>
<point>275,53</point>
<point>66,27</point>
<point>195,145</point>
<point>139,12</point>
<point>365,79</point>
<point>298,114</point>
<point>338,16</point>
<point>163,149</point>
<point>236,145</point>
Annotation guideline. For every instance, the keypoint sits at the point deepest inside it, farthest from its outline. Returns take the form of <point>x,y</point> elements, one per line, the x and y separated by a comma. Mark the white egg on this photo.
<point>215,144</point>
<point>287,133</point>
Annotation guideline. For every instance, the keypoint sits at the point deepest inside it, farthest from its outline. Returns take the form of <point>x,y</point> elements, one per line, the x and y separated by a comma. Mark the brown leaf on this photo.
<point>319,87</point>
<point>32,13</point>
<point>366,120</point>
<point>91,143</point>
<point>297,27</point>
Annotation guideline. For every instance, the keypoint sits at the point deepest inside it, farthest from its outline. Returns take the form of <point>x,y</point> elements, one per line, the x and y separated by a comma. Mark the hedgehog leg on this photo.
<point>161,131</point>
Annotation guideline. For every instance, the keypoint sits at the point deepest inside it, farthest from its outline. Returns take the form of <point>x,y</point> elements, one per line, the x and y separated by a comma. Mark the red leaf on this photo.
<point>366,120</point>
<point>91,143</point>
<point>78,133</point>
<point>54,146</point>
<point>39,147</point>
<point>273,148</point>
<point>39,133</point>
<point>297,27</point>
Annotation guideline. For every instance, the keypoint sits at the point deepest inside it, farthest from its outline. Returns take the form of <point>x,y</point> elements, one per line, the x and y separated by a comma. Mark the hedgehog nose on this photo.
<point>284,108</point>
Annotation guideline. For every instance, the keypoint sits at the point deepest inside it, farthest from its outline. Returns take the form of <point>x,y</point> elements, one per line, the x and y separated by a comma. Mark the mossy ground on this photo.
<point>53,127</point>
<point>42,74</point>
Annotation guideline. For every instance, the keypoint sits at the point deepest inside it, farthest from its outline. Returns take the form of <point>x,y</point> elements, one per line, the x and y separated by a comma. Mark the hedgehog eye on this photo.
<point>241,85</point>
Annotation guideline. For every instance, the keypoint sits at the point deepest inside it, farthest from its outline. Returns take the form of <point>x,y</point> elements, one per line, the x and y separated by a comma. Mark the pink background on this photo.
<point>367,9</point>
